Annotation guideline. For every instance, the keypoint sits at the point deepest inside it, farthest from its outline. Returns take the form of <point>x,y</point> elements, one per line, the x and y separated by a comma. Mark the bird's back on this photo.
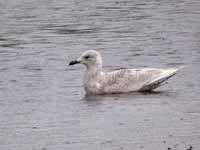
<point>127,80</point>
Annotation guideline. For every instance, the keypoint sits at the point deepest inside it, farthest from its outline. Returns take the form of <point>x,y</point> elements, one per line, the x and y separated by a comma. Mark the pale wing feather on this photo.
<point>127,80</point>
<point>158,81</point>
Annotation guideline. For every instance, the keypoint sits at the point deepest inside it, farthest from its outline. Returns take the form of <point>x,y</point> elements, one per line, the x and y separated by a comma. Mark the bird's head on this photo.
<point>90,58</point>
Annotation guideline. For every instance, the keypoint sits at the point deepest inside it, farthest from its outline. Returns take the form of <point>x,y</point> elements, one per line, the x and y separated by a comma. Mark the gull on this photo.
<point>119,81</point>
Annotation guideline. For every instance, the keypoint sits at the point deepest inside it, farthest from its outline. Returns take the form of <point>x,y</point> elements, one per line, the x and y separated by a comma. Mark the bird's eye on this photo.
<point>87,57</point>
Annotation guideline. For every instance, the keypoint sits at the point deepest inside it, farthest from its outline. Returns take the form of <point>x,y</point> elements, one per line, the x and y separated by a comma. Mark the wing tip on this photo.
<point>179,68</point>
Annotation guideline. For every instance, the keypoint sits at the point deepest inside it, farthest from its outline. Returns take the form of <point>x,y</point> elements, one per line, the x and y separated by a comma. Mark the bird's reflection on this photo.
<point>120,96</point>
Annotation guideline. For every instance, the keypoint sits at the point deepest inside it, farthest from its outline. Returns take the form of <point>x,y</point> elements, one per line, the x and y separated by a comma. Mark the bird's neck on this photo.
<point>93,71</point>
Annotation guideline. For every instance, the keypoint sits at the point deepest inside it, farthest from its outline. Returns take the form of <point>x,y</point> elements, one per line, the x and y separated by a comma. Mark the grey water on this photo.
<point>42,101</point>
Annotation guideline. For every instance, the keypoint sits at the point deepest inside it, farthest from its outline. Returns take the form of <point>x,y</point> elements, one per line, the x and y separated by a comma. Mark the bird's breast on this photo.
<point>92,83</point>
<point>92,87</point>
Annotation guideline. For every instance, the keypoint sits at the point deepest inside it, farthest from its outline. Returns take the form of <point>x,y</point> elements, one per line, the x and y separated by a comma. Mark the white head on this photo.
<point>90,58</point>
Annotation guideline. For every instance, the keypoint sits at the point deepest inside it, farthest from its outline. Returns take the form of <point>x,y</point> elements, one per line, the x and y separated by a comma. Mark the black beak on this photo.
<point>74,62</point>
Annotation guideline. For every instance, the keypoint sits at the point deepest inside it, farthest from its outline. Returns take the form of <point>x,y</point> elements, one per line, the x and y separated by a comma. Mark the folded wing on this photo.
<point>127,80</point>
